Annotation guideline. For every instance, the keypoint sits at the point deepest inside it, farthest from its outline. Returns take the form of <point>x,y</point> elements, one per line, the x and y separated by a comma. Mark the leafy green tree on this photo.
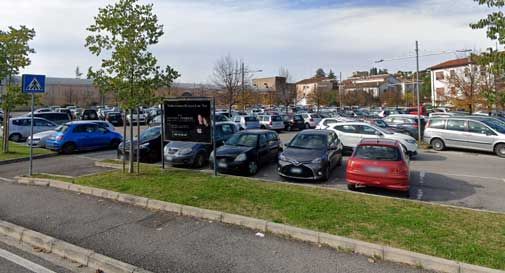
<point>331,75</point>
<point>121,35</point>
<point>320,73</point>
<point>14,51</point>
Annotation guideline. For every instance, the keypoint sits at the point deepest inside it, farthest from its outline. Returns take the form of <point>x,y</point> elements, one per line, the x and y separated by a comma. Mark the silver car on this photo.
<point>246,122</point>
<point>19,128</point>
<point>476,133</point>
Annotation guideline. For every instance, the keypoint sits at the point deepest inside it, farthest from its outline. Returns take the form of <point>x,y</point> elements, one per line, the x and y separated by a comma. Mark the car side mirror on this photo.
<point>333,146</point>
<point>377,133</point>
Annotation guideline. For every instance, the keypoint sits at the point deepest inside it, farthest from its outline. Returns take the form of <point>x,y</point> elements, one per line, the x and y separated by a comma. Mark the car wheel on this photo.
<point>406,194</point>
<point>339,162</point>
<point>326,174</point>
<point>438,144</point>
<point>263,127</point>
<point>351,187</point>
<point>15,137</point>
<point>252,167</point>
<point>289,128</point>
<point>199,161</point>
<point>307,126</point>
<point>115,143</point>
<point>500,150</point>
<point>68,148</point>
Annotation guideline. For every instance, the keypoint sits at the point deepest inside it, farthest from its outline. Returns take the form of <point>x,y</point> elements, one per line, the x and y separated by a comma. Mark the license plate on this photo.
<point>296,170</point>
<point>376,170</point>
<point>222,164</point>
<point>169,158</point>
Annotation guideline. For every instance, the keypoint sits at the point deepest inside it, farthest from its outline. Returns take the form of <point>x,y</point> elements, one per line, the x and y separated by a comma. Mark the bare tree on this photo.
<point>286,95</point>
<point>227,75</point>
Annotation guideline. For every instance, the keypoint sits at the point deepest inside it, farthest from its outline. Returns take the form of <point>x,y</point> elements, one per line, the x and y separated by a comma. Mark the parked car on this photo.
<point>382,124</point>
<point>19,128</point>
<point>246,122</point>
<point>139,117</point>
<point>66,111</point>
<point>295,122</point>
<point>82,135</point>
<point>220,117</point>
<point>156,121</point>
<point>39,139</point>
<point>150,146</point>
<point>197,154</point>
<point>245,152</point>
<point>43,110</point>
<point>351,133</point>
<point>483,134</point>
<point>56,117</point>
<point>89,114</point>
<point>379,163</point>
<point>326,123</point>
<point>311,120</point>
<point>407,123</point>
<point>115,118</point>
<point>271,122</point>
<point>311,154</point>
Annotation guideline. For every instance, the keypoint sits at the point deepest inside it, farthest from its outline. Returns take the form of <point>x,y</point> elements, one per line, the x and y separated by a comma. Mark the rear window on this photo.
<point>276,118</point>
<point>374,152</point>
<point>315,116</point>
<point>249,119</point>
<point>437,123</point>
<point>297,118</point>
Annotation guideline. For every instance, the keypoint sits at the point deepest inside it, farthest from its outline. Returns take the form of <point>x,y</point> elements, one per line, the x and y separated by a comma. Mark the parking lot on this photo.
<point>456,177</point>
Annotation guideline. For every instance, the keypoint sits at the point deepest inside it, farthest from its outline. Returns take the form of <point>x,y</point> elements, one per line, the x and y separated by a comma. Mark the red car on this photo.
<point>379,163</point>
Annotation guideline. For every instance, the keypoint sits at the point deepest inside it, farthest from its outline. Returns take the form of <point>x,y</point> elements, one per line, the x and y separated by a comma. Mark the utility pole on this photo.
<point>242,70</point>
<point>340,91</point>
<point>418,95</point>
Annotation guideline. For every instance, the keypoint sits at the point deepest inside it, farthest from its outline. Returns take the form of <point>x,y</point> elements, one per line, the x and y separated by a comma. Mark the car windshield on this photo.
<point>495,124</point>
<point>380,123</point>
<point>247,140</point>
<point>309,141</point>
<point>150,134</point>
<point>375,152</point>
<point>384,131</point>
<point>61,128</point>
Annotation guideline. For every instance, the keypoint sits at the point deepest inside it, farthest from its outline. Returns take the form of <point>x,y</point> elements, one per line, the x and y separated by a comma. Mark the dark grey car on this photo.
<point>311,154</point>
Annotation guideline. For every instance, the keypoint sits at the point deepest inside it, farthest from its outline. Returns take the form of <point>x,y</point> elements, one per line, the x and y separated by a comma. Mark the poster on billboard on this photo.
<point>188,120</point>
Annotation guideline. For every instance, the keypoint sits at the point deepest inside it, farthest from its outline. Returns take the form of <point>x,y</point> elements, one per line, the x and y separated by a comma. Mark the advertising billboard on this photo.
<point>188,120</point>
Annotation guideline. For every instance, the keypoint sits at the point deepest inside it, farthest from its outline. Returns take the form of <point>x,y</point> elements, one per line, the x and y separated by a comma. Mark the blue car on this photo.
<point>81,136</point>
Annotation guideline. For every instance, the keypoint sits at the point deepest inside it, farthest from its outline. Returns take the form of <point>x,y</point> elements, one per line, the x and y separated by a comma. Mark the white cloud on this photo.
<point>265,34</point>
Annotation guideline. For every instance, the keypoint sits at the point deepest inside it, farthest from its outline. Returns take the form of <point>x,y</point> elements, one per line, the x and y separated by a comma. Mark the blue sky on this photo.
<point>301,35</point>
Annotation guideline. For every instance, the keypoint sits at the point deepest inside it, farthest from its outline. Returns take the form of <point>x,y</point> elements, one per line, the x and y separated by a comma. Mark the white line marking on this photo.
<point>475,176</point>
<point>24,262</point>
<point>7,179</point>
<point>421,181</point>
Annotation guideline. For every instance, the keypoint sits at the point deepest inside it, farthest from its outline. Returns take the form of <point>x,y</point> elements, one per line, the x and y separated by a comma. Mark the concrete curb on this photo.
<point>66,250</point>
<point>341,243</point>
<point>23,159</point>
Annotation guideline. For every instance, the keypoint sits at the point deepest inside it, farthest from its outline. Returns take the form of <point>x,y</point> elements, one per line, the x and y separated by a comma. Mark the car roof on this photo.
<point>314,132</point>
<point>255,131</point>
<point>379,142</point>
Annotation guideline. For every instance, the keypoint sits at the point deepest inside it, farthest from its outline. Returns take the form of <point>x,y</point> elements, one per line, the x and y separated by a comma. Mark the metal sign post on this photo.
<point>162,128</point>
<point>214,162</point>
<point>32,84</point>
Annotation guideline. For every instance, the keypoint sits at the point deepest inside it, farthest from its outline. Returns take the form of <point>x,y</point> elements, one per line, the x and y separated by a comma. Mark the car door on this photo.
<point>479,136</point>
<point>349,135</point>
<point>332,153</point>
<point>369,132</point>
<point>40,125</point>
<point>81,137</point>
<point>102,136</point>
<point>273,144</point>
<point>263,149</point>
<point>455,133</point>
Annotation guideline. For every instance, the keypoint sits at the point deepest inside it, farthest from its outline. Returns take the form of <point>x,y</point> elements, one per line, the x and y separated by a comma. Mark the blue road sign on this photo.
<point>33,83</point>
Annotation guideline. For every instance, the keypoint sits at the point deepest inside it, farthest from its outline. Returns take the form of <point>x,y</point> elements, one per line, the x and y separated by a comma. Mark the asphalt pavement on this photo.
<point>165,242</point>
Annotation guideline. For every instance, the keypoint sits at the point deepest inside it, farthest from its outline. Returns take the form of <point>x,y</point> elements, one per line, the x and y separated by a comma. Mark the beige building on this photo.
<point>375,85</point>
<point>305,88</point>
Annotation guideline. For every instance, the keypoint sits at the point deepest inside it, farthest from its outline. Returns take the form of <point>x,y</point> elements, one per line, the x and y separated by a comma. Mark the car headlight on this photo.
<point>317,160</point>
<point>411,141</point>
<point>145,145</point>
<point>185,151</point>
<point>282,157</point>
<point>241,157</point>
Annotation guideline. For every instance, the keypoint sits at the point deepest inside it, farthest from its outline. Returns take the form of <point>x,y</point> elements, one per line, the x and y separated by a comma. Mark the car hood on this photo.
<point>228,150</point>
<point>302,155</point>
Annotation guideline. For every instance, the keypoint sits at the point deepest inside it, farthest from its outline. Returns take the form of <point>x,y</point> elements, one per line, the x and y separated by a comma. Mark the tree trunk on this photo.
<point>5,140</point>
<point>130,158</point>
<point>124,141</point>
<point>138,141</point>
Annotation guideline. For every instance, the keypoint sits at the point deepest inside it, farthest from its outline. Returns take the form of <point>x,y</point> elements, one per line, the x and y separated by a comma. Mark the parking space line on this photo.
<point>421,181</point>
<point>24,262</point>
<point>475,176</point>
<point>7,179</point>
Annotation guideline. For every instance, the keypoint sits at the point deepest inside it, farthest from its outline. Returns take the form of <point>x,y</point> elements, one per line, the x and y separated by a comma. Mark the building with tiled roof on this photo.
<point>440,75</point>
<point>305,88</point>
<point>375,85</point>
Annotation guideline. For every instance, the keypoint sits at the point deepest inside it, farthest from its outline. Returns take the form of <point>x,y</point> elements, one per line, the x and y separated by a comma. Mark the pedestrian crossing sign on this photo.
<point>33,83</point>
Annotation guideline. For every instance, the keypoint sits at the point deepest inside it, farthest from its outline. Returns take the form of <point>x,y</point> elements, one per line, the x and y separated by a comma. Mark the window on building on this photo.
<point>440,91</point>
<point>453,73</point>
<point>439,75</point>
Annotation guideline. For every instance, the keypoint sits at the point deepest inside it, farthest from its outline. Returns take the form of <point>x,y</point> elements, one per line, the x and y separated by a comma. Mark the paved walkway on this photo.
<point>164,242</point>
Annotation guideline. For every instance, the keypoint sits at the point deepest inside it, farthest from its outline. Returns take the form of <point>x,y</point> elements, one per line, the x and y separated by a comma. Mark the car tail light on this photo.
<point>401,170</point>
<point>415,125</point>
<point>311,119</point>
<point>59,138</point>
